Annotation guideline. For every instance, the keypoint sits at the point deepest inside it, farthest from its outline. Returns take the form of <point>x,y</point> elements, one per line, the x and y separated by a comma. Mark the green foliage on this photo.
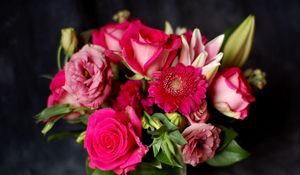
<point>231,154</point>
<point>165,140</point>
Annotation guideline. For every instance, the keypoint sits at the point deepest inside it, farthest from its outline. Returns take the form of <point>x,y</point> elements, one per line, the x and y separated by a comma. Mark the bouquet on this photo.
<point>147,100</point>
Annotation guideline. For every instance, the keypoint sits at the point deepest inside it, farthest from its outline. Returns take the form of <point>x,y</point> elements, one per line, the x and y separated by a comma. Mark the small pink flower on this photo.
<point>89,76</point>
<point>146,50</point>
<point>231,93</point>
<point>201,115</point>
<point>202,143</point>
<point>113,140</point>
<point>129,95</point>
<point>60,96</point>
<point>109,36</point>
<point>178,88</point>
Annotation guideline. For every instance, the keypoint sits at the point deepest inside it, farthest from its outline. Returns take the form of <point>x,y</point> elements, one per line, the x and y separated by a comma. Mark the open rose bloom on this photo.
<point>140,94</point>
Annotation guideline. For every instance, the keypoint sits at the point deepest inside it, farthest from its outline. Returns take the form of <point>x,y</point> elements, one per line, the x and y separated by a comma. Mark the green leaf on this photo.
<point>231,154</point>
<point>165,160</point>
<point>177,137</point>
<point>53,111</point>
<point>62,135</point>
<point>100,172</point>
<point>228,135</point>
<point>47,76</point>
<point>90,171</point>
<point>165,121</point>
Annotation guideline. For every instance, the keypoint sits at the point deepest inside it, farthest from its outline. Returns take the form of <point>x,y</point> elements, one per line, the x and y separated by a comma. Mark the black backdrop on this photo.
<point>29,36</point>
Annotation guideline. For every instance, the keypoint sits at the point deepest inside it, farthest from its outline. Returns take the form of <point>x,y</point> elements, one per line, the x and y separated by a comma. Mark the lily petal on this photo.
<point>213,47</point>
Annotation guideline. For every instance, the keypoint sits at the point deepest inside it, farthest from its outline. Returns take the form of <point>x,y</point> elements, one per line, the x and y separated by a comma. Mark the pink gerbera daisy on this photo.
<point>179,88</point>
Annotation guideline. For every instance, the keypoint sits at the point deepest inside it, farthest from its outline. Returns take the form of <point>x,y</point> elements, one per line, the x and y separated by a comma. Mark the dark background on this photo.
<point>29,36</point>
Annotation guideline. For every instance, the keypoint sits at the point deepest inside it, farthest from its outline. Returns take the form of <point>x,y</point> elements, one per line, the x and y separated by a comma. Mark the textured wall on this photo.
<point>29,36</point>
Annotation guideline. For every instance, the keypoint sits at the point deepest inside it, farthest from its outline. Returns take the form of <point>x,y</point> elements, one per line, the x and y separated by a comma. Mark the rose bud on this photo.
<point>147,50</point>
<point>231,93</point>
<point>113,140</point>
<point>69,40</point>
<point>202,143</point>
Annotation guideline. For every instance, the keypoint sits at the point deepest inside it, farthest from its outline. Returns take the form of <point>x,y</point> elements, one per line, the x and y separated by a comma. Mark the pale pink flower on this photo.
<point>202,143</point>
<point>89,76</point>
<point>231,93</point>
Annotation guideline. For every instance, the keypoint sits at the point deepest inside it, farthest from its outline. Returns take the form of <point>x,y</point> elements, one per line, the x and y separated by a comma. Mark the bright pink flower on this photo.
<point>60,96</point>
<point>89,76</point>
<point>113,140</point>
<point>147,50</point>
<point>202,143</point>
<point>109,36</point>
<point>178,88</point>
<point>201,115</point>
<point>129,95</point>
<point>231,93</point>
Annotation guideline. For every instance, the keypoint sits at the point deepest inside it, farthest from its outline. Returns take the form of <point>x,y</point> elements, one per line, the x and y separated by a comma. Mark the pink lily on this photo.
<point>207,56</point>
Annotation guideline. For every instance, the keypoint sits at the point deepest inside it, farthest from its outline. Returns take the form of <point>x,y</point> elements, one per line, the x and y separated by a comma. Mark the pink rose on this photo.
<point>146,50</point>
<point>113,140</point>
<point>202,143</point>
<point>109,36</point>
<point>129,95</point>
<point>60,96</point>
<point>89,76</point>
<point>201,115</point>
<point>231,93</point>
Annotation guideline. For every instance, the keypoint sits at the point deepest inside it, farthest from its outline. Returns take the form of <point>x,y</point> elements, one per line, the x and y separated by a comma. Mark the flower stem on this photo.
<point>58,59</point>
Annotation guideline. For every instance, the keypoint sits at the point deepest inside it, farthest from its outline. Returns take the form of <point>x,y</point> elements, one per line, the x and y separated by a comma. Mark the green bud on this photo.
<point>177,120</point>
<point>81,137</point>
<point>121,16</point>
<point>149,122</point>
<point>238,46</point>
<point>168,28</point>
<point>69,40</point>
<point>256,78</point>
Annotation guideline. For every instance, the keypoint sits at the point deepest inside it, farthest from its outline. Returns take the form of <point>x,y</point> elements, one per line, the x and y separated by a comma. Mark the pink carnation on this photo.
<point>89,76</point>
<point>113,140</point>
<point>202,143</point>
<point>178,88</point>
<point>129,95</point>
<point>201,115</point>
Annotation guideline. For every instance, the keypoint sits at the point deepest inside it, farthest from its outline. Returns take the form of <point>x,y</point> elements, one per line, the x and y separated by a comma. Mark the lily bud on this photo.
<point>69,40</point>
<point>256,78</point>
<point>177,120</point>
<point>237,48</point>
